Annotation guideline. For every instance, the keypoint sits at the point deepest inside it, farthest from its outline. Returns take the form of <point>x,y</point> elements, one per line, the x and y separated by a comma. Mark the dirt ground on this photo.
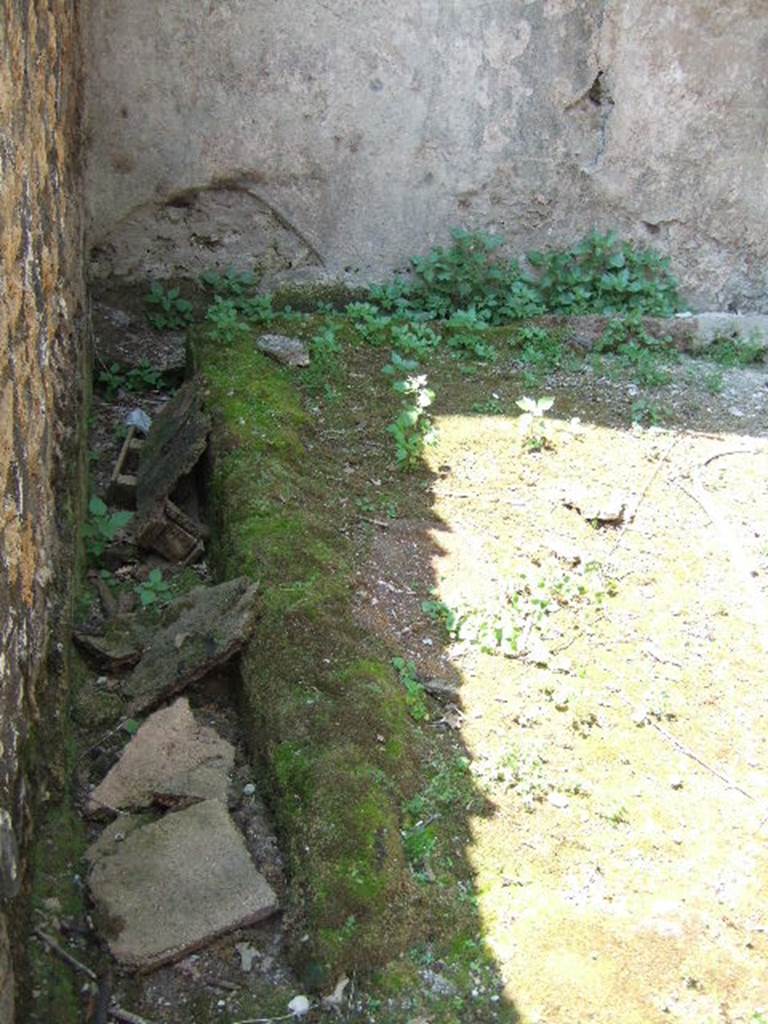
<point>623,871</point>
<point>620,856</point>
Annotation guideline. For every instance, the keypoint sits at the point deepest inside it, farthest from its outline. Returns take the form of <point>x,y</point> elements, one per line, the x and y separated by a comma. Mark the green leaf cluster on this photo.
<point>168,310</point>
<point>101,527</point>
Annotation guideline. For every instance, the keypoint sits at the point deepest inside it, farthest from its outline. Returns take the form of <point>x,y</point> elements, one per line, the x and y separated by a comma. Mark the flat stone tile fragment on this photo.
<point>210,625</point>
<point>173,886</point>
<point>171,758</point>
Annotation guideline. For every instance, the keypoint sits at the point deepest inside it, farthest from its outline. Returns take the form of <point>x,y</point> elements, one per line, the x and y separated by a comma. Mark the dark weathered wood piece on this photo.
<point>122,485</point>
<point>174,445</point>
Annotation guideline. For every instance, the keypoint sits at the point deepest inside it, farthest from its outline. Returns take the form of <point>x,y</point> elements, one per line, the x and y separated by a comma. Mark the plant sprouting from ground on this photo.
<point>154,589</point>
<point>414,692</point>
<point>168,310</point>
<point>230,283</point>
<point>226,326</point>
<point>413,429</point>
<point>533,432</point>
<point>605,275</point>
<point>101,527</point>
<point>144,377</point>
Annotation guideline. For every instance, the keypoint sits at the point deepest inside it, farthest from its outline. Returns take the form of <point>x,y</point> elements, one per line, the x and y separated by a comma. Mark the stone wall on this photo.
<point>347,135</point>
<point>42,376</point>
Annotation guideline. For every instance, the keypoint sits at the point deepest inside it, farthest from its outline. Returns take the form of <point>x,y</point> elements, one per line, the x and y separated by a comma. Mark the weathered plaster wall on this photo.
<point>354,133</point>
<point>41,398</point>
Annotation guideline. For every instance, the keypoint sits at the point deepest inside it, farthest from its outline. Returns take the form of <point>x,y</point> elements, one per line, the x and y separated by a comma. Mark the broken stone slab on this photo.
<point>171,760</point>
<point>173,886</point>
<point>117,646</point>
<point>206,627</point>
<point>287,351</point>
<point>173,447</point>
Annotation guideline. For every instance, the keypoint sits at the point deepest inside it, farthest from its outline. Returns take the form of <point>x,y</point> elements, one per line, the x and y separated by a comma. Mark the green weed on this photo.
<point>533,433</point>
<point>646,414</point>
<point>325,367</point>
<point>226,326</point>
<point>144,377</point>
<point>490,407</point>
<point>153,590</point>
<point>369,323</point>
<point>468,274</point>
<point>229,284</point>
<point>732,352</point>
<point>413,429</point>
<point>605,275</point>
<point>169,311</point>
<point>101,527</point>
<point>414,692</point>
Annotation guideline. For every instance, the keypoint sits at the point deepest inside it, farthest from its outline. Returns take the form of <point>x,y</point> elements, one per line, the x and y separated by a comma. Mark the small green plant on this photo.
<point>714,381</point>
<point>490,407</point>
<point>101,527</point>
<point>229,284</point>
<point>325,367</point>
<point>533,432</point>
<point>443,615</point>
<point>169,311</point>
<point>256,309</point>
<point>414,339</point>
<point>645,357</point>
<point>154,589</point>
<point>226,326</point>
<point>465,336</point>
<point>111,379</point>
<point>646,414</point>
<point>618,817</point>
<point>413,429</point>
<point>369,323</point>
<point>419,844</point>
<point>467,274</point>
<point>414,692</point>
<point>144,377</point>
<point>605,275</point>
<point>732,352</point>
<point>515,622</point>
<point>542,353</point>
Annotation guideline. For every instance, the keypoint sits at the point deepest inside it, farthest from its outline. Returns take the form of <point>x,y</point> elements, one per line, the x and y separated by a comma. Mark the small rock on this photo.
<point>285,350</point>
<point>249,789</point>
<point>299,1006</point>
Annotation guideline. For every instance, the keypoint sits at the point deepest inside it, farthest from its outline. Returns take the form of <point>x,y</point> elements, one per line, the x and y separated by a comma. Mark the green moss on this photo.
<point>305,298</point>
<point>56,892</point>
<point>323,709</point>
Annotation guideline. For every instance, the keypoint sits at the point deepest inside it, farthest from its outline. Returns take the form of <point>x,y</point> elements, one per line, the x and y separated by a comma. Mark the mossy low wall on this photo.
<point>322,708</point>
